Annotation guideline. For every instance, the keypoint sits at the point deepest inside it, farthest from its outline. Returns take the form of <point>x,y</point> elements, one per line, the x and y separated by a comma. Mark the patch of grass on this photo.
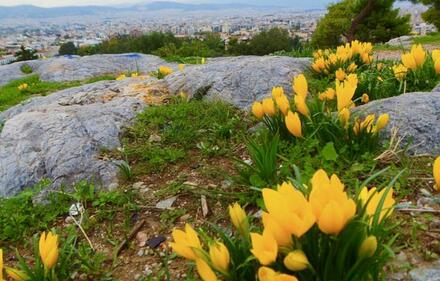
<point>166,134</point>
<point>10,95</point>
<point>300,53</point>
<point>26,69</point>
<point>386,47</point>
<point>433,38</point>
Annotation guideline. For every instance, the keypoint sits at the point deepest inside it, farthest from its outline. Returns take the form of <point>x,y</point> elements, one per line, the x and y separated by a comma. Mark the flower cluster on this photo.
<point>339,99</point>
<point>48,252</point>
<point>303,230</point>
<point>416,60</point>
<point>346,58</point>
<point>23,86</point>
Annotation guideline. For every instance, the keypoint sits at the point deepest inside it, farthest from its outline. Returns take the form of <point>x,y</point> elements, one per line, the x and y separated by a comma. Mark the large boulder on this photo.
<point>238,80</point>
<point>415,115</point>
<point>60,137</point>
<point>71,68</point>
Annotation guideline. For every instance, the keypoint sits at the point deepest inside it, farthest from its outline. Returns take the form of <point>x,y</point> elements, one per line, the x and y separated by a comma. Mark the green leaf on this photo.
<point>329,152</point>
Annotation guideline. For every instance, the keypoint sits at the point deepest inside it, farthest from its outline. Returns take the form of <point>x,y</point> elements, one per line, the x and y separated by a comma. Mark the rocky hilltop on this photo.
<point>60,136</point>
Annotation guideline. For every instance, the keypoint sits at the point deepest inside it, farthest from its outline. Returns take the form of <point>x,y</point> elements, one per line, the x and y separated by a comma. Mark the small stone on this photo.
<point>156,241</point>
<point>140,253</point>
<point>166,204</point>
<point>113,186</point>
<point>426,273</point>
<point>142,238</point>
<point>138,185</point>
<point>154,138</point>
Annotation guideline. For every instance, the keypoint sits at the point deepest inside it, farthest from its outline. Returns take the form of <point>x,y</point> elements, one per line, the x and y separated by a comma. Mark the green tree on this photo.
<point>432,15</point>
<point>365,20</point>
<point>68,48</point>
<point>25,54</point>
<point>270,41</point>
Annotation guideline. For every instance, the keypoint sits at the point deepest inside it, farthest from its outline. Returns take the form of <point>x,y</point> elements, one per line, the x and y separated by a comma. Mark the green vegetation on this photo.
<point>181,50</point>
<point>433,38</point>
<point>25,54</point>
<point>26,69</point>
<point>68,48</point>
<point>366,20</point>
<point>11,95</point>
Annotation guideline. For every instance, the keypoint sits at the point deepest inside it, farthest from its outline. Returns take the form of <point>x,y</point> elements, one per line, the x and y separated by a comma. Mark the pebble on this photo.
<point>166,204</point>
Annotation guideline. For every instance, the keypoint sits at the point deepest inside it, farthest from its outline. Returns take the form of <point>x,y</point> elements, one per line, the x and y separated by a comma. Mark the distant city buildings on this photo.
<point>47,35</point>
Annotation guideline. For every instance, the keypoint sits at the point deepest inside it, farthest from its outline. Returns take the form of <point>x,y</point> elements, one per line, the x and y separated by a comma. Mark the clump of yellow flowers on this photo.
<point>48,252</point>
<point>164,71</point>
<point>309,232</point>
<point>307,114</point>
<point>23,87</point>
<point>345,59</point>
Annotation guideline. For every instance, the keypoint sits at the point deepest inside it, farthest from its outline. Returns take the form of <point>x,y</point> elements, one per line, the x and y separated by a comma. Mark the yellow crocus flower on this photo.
<point>331,205</point>
<point>289,209</point>
<point>283,103</point>
<point>269,107</point>
<point>257,110</point>
<point>436,55</point>
<point>437,66</point>
<point>239,218</point>
<point>181,67</point>
<point>293,124</point>
<point>368,247</point>
<point>408,61</point>
<point>340,74</point>
<point>277,92</point>
<point>301,105</point>
<point>365,98</point>
<point>264,247</point>
<point>436,173</point>
<point>352,67</point>
<point>205,272</point>
<point>186,243</point>
<point>1,265</point>
<point>352,79</point>
<point>281,235</point>
<point>296,261</point>
<point>268,274</point>
<point>375,198</point>
<point>48,247</point>
<point>219,255</point>
<point>17,275</point>
<point>419,54</point>
<point>164,70</point>
<point>344,116</point>
<point>318,65</point>
<point>400,71</point>
<point>121,77</point>
<point>300,86</point>
<point>344,94</point>
<point>382,121</point>
<point>134,74</point>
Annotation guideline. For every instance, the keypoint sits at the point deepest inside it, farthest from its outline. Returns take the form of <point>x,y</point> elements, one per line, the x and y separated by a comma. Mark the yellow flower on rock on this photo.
<point>340,74</point>
<point>296,261</point>
<point>289,209</point>
<point>239,218</point>
<point>257,110</point>
<point>269,107</point>
<point>205,271</point>
<point>17,275</point>
<point>408,61</point>
<point>186,243</point>
<point>365,98</point>
<point>382,121</point>
<point>436,173</point>
<point>48,247</point>
<point>373,198</point>
<point>121,77</point>
<point>219,255</point>
<point>164,70</point>
<point>268,274</point>
<point>264,247</point>
<point>134,74</point>
<point>300,85</point>
<point>293,124</point>
<point>400,72</point>
<point>301,105</point>
<point>368,247</point>
<point>181,67</point>
<point>331,205</point>
<point>419,54</point>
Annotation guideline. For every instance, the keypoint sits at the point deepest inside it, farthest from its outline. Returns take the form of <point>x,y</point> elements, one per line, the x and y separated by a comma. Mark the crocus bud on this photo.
<point>296,261</point>
<point>368,247</point>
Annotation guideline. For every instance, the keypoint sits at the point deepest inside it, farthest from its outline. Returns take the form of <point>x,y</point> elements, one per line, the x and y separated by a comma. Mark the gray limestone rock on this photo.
<point>417,117</point>
<point>426,273</point>
<point>238,80</point>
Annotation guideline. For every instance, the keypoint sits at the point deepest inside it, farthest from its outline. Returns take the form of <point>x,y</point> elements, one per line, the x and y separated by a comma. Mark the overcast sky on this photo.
<point>55,3</point>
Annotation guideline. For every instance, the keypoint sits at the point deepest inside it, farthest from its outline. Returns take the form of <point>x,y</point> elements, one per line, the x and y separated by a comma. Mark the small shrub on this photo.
<point>26,69</point>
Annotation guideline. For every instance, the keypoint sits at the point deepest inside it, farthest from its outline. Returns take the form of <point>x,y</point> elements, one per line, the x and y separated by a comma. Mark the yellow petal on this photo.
<point>293,124</point>
<point>332,219</point>
<point>436,173</point>
<point>300,85</point>
<point>205,271</point>
<point>296,261</point>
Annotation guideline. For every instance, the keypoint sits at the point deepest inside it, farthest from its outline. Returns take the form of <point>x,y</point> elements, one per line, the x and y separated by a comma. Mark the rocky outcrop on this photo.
<point>417,117</point>
<point>436,89</point>
<point>427,273</point>
<point>71,68</point>
<point>61,136</point>
<point>404,41</point>
<point>238,80</point>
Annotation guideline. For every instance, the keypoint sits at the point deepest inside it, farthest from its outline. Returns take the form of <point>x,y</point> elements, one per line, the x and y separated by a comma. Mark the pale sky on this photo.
<point>55,3</point>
